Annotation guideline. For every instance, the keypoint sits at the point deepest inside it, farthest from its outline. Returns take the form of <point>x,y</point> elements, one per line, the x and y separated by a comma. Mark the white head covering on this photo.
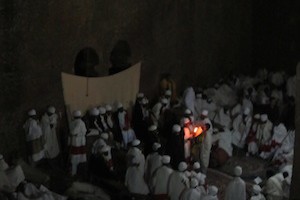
<point>166,159</point>
<point>156,146</point>
<point>264,117</point>
<point>238,171</point>
<point>187,112</point>
<point>164,101</point>
<point>176,128</point>
<point>182,166</point>
<point>77,113</point>
<point>204,113</point>
<point>212,190</point>
<point>168,92</point>
<point>256,189</point>
<point>145,101</point>
<point>194,183</point>
<point>51,109</point>
<point>104,136</point>
<point>185,120</point>
<point>32,112</point>
<point>108,107</point>
<point>152,128</point>
<point>246,111</point>
<point>202,180</point>
<point>135,142</point>
<point>215,130</point>
<point>105,148</point>
<point>196,165</point>
<point>140,95</point>
<point>257,116</point>
<point>119,105</point>
<point>94,112</point>
<point>102,110</point>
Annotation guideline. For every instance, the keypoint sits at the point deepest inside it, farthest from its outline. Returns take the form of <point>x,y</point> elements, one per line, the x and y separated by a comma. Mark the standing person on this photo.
<point>134,179</point>
<point>153,161</point>
<point>175,141</point>
<point>49,124</point>
<point>114,131</point>
<point>188,136</point>
<point>138,117</point>
<point>160,179</point>
<point>192,193</point>
<point>207,141</point>
<point>264,132</point>
<point>135,151</point>
<point>34,138</point>
<point>178,182</point>
<point>251,139</point>
<point>158,110</point>
<point>241,127</point>
<point>124,125</point>
<point>77,141</point>
<point>256,193</point>
<point>236,190</point>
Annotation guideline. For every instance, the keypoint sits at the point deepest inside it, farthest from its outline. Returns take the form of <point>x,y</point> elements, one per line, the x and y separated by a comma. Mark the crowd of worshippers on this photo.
<point>171,141</point>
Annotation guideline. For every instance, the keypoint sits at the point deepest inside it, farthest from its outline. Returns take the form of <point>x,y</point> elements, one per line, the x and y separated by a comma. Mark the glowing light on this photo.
<point>197,131</point>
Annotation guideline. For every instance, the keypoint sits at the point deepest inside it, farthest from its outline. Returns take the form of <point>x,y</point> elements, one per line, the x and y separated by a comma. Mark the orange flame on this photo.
<point>197,131</point>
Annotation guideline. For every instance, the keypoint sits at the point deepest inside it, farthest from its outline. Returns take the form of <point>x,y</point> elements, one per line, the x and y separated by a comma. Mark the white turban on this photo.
<point>51,110</point>
<point>156,146</point>
<point>204,113</point>
<point>168,92</point>
<point>102,110</point>
<point>256,189</point>
<point>135,142</point>
<point>119,105</point>
<point>140,95</point>
<point>212,190</point>
<point>108,108</point>
<point>246,111</point>
<point>194,183</point>
<point>105,148</point>
<point>238,171</point>
<point>94,112</point>
<point>257,116</point>
<point>32,112</point>
<point>176,128</point>
<point>166,159</point>
<point>77,113</point>
<point>187,112</point>
<point>182,166</point>
<point>264,117</point>
<point>196,165</point>
<point>104,136</point>
<point>164,101</point>
<point>152,128</point>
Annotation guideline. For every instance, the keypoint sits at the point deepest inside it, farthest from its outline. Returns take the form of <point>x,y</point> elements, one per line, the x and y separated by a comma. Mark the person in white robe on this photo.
<point>207,141</point>
<point>86,191</point>
<point>191,193</point>
<point>160,179</point>
<point>134,179</point>
<point>273,187</point>
<point>189,98</point>
<point>196,172</point>
<point>236,189</point>
<point>178,182</point>
<point>241,127</point>
<point>135,152</point>
<point>251,139</point>
<point>287,181</point>
<point>32,192</point>
<point>223,118</point>
<point>49,124</point>
<point>283,156</point>
<point>153,161</point>
<point>212,193</point>
<point>100,143</point>
<point>93,125</point>
<point>101,120</point>
<point>124,123</point>
<point>256,193</point>
<point>264,132</point>
<point>202,187</point>
<point>10,177</point>
<point>34,138</point>
<point>279,134</point>
<point>77,141</point>
<point>188,136</point>
<point>198,105</point>
<point>158,110</point>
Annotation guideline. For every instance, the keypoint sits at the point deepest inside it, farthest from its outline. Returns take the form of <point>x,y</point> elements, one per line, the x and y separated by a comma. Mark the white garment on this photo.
<point>241,128</point>
<point>191,194</point>
<point>223,118</point>
<point>198,107</point>
<point>291,86</point>
<point>34,132</point>
<point>210,197</point>
<point>206,146</point>
<point>279,133</point>
<point>273,187</point>
<point>136,153</point>
<point>224,141</point>
<point>189,98</point>
<point>236,110</point>
<point>50,137</point>
<point>134,181</point>
<point>160,180</point>
<point>199,176</point>
<point>153,162</point>
<point>177,184</point>
<point>157,110</point>
<point>98,145</point>
<point>236,190</point>
<point>264,132</point>
<point>15,175</point>
<point>258,197</point>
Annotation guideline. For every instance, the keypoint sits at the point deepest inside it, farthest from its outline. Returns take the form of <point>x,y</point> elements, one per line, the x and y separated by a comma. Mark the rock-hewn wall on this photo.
<point>197,41</point>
